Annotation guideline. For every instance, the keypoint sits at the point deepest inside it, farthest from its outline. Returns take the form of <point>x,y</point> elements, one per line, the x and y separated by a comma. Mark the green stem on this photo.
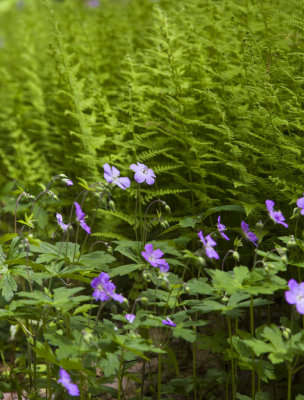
<point>253,358</point>
<point>159,377</point>
<point>289,384</point>
<point>194,368</point>
<point>232,361</point>
<point>135,212</point>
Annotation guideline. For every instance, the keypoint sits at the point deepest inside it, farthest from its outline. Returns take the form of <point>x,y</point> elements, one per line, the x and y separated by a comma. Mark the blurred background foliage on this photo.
<point>207,93</point>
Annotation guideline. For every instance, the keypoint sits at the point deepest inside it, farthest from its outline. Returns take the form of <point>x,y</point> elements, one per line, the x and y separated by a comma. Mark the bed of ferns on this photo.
<point>209,94</point>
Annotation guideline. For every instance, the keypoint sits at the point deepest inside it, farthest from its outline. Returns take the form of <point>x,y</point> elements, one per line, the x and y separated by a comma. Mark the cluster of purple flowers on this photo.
<point>276,216</point>
<point>154,258</point>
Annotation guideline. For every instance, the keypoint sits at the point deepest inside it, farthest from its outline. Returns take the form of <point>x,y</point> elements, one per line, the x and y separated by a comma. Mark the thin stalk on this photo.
<point>143,379</point>
<point>194,368</point>
<point>253,358</point>
<point>289,384</point>
<point>135,212</point>
<point>232,360</point>
<point>17,203</point>
<point>120,377</point>
<point>48,371</point>
<point>159,377</point>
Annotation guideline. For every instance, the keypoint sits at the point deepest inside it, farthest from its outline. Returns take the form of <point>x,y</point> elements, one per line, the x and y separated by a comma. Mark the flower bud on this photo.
<point>87,336</point>
<point>201,261</point>
<point>168,209</point>
<point>286,332</point>
<point>110,250</point>
<point>144,300</point>
<point>236,255</point>
<point>284,259</point>
<point>291,242</point>
<point>187,289</point>
<point>112,205</point>
<point>259,225</point>
<point>225,299</point>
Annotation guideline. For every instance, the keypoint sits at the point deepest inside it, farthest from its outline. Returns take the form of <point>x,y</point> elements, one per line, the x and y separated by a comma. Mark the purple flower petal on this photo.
<point>85,227</point>
<point>276,216</point>
<point>164,268</point>
<point>123,183</point>
<point>130,317</point>
<point>290,297</point>
<point>221,228</point>
<point>208,243</point>
<point>168,322</point>
<point>300,202</point>
<point>65,380</point>
<point>293,285</point>
<point>249,235</point>
<point>79,213</point>
<point>61,223</point>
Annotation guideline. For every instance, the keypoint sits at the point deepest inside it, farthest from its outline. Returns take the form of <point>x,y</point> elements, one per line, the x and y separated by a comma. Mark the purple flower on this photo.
<point>65,380</point>
<point>296,295</point>
<point>168,322</point>
<point>80,216</point>
<point>249,235</point>
<point>300,204</point>
<point>153,256</point>
<point>130,317</point>
<point>208,243</point>
<point>60,222</point>
<point>276,216</point>
<point>93,3</point>
<point>104,289</point>
<point>164,268</point>
<point>221,228</point>
<point>111,175</point>
<point>68,182</point>
<point>143,173</point>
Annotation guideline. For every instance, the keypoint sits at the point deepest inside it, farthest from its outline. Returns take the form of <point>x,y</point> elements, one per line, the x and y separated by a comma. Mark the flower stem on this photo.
<point>289,384</point>
<point>253,363</point>
<point>232,360</point>
<point>159,377</point>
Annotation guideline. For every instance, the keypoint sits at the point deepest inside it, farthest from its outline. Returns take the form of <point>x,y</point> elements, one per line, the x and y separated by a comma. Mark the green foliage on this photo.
<point>207,94</point>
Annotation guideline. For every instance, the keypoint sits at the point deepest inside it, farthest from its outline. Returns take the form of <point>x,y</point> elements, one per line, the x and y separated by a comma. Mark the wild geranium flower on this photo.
<point>111,175</point>
<point>208,243</point>
<point>276,216</point>
<point>61,223</point>
<point>168,322</point>
<point>143,173</point>
<point>65,380</point>
<point>80,217</point>
<point>164,268</point>
<point>104,289</point>
<point>153,256</point>
<point>93,3</point>
<point>221,228</point>
<point>296,295</point>
<point>300,204</point>
<point>130,317</point>
<point>68,182</point>
<point>249,235</point>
